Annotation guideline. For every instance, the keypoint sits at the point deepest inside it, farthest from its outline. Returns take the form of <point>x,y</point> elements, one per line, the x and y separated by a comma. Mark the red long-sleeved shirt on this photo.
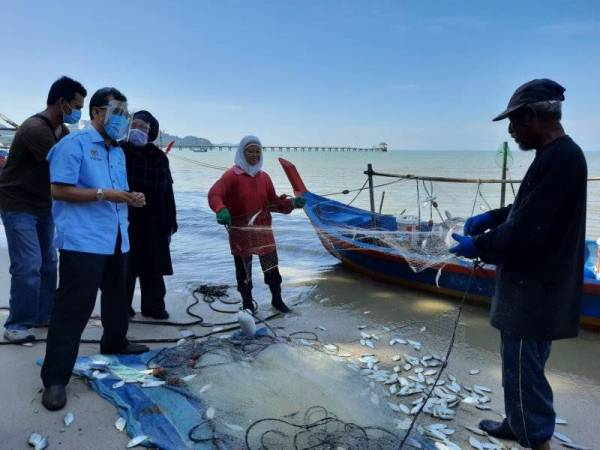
<point>244,196</point>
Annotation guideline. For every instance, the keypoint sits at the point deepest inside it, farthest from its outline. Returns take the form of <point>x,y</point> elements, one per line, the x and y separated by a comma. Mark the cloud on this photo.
<point>458,22</point>
<point>570,28</point>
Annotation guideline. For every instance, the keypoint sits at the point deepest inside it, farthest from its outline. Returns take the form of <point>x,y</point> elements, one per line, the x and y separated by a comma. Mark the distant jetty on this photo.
<point>382,147</point>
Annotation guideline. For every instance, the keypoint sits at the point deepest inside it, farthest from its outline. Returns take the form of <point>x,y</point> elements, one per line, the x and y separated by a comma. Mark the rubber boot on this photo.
<point>277,302</point>
<point>248,303</point>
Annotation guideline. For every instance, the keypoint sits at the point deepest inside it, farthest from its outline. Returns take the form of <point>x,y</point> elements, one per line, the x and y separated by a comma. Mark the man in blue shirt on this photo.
<point>90,193</point>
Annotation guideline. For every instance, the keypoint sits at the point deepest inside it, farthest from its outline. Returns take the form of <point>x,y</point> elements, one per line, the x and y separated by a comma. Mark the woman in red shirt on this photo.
<point>243,199</point>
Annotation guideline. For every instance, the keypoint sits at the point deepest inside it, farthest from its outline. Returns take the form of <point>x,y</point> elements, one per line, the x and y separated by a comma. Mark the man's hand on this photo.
<point>138,199</point>
<point>466,246</point>
<point>135,199</point>
<point>478,224</point>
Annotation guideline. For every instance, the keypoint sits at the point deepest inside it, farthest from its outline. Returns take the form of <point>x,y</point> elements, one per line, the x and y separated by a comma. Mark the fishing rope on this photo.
<point>418,205</point>
<point>476,264</point>
<point>325,431</point>
<point>358,193</point>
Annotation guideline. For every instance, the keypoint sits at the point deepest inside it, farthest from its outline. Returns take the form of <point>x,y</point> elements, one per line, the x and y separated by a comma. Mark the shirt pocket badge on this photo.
<point>95,154</point>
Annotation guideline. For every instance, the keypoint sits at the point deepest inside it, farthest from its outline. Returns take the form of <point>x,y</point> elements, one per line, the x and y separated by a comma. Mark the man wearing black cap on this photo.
<point>537,244</point>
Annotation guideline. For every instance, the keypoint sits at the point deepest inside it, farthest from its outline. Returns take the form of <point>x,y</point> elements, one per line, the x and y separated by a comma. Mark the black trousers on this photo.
<point>243,274</point>
<point>80,277</point>
<point>153,290</point>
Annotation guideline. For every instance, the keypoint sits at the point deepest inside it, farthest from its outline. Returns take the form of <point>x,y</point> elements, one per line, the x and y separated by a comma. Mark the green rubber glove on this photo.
<point>223,216</point>
<point>298,202</point>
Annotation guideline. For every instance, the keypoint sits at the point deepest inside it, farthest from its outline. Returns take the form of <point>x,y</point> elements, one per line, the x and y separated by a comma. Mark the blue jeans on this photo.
<point>32,268</point>
<point>527,394</point>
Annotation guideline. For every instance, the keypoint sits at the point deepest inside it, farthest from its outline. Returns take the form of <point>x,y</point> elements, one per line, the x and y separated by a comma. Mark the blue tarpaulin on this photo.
<point>164,414</point>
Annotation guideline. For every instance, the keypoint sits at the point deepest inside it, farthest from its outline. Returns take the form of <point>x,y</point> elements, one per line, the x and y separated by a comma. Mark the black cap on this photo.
<point>154,126</point>
<point>538,90</point>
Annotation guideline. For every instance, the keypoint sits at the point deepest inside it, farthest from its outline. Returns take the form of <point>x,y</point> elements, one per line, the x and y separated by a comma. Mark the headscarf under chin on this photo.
<point>240,158</point>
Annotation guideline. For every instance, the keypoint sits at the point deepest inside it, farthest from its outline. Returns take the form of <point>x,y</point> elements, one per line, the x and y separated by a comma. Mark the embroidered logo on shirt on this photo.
<point>95,155</point>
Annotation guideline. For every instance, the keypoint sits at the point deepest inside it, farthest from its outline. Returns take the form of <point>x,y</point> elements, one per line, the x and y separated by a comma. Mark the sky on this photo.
<point>422,74</point>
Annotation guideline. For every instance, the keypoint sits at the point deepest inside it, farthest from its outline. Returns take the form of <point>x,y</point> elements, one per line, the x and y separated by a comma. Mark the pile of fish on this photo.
<point>415,384</point>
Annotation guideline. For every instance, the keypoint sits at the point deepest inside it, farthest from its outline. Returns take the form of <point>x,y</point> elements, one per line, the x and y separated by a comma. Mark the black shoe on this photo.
<point>131,312</point>
<point>54,397</point>
<point>500,430</point>
<point>248,303</point>
<point>280,306</point>
<point>129,349</point>
<point>159,315</point>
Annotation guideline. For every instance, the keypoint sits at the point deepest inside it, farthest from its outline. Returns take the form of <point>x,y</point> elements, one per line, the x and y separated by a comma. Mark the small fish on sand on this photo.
<point>475,443</point>
<point>322,328</point>
<point>362,327</point>
<point>120,424</point>
<point>476,430</point>
<point>366,312</point>
<point>561,421</point>
<point>210,413</point>
<point>330,347</point>
<point>137,441</point>
<point>188,377</point>
<point>474,372</point>
<point>205,388</point>
<point>37,441</point>
<point>563,438</point>
<point>68,419</point>
<point>234,427</point>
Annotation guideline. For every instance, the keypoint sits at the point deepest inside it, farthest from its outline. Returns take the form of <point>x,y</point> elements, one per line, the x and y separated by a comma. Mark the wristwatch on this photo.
<point>99,194</point>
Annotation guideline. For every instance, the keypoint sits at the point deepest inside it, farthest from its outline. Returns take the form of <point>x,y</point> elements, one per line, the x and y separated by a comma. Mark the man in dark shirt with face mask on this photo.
<point>25,203</point>
<point>538,245</point>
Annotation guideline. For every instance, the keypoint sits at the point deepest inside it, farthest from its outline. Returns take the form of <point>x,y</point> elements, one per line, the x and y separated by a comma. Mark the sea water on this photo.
<point>201,250</point>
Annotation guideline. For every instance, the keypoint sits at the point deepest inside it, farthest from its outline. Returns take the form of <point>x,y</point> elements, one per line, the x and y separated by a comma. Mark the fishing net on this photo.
<point>289,392</point>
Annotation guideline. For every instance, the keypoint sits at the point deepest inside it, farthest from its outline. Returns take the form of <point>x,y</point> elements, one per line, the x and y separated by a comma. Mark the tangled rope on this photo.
<point>318,430</point>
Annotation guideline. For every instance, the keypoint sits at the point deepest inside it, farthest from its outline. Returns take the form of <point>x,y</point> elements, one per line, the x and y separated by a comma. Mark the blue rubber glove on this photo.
<point>466,246</point>
<point>478,224</point>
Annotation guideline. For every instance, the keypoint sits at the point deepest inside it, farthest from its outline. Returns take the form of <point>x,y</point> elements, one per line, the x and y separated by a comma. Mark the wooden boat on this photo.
<point>338,227</point>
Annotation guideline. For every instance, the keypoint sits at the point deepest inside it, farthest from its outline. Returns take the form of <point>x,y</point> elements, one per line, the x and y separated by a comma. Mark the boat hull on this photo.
<point>456,278</point>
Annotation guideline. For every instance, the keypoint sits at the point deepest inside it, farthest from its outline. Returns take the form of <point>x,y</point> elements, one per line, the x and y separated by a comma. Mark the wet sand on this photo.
<point>337,301</point>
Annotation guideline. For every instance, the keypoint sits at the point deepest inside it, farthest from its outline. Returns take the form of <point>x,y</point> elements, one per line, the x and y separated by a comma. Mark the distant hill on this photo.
<point>187,140</point>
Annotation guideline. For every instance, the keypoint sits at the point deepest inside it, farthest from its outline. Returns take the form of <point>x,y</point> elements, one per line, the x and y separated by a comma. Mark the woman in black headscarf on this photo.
<point>151,227</point>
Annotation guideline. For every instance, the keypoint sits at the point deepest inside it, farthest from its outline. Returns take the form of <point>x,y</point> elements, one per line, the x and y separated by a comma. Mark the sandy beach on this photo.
<point>338,303</point>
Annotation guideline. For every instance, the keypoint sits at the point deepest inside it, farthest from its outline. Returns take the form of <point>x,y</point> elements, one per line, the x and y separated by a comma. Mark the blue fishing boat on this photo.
<point>339,226</point>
